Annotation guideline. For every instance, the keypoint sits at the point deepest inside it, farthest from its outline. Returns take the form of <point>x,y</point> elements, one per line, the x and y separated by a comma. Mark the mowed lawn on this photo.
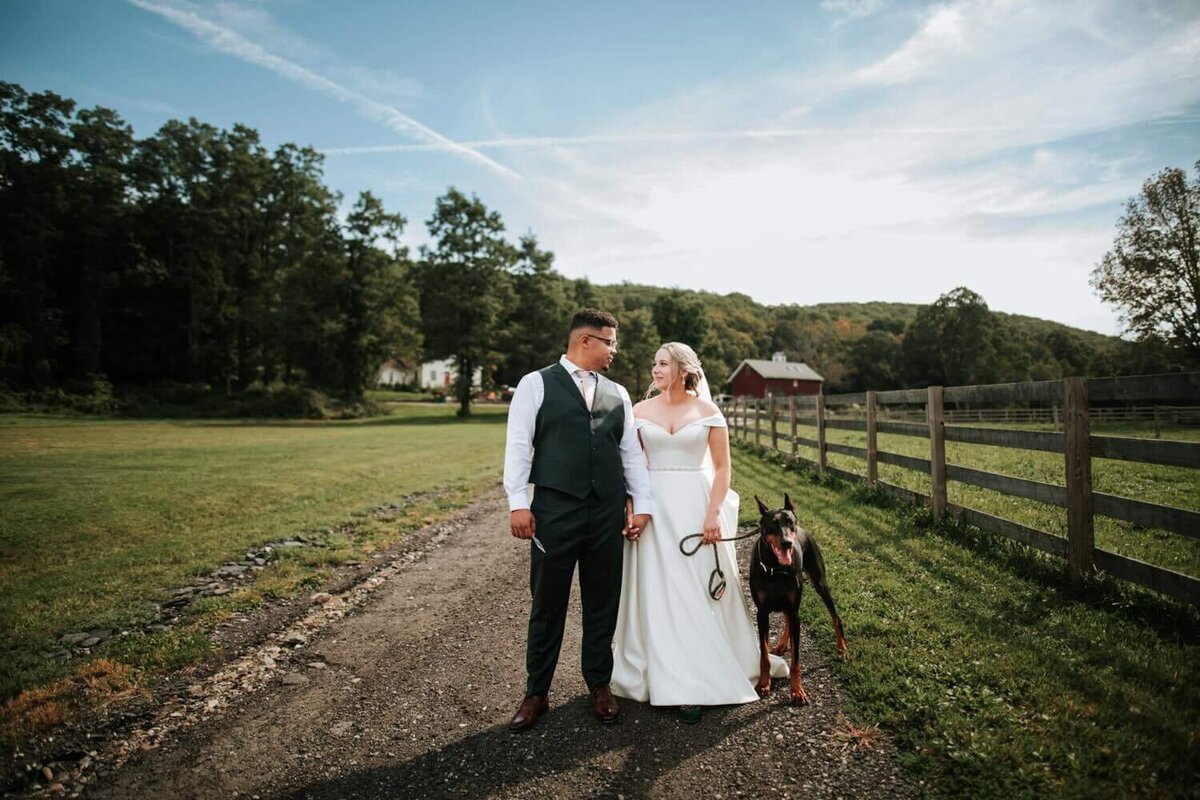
<point>1172,486</point>
<point>101,518</point>
<point>996,676</point>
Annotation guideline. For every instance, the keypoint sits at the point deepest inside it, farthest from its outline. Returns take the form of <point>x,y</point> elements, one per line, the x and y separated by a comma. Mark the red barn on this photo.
<point>759,378</point>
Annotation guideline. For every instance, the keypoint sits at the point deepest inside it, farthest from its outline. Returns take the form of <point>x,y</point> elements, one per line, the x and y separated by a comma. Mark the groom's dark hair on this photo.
<point>591,318</point>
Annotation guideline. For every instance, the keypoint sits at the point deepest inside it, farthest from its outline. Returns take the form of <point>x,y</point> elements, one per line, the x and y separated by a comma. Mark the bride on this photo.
<point>674,644</point>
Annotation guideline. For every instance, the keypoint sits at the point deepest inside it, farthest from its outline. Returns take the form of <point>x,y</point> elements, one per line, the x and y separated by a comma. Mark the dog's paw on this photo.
<point>763,689</point>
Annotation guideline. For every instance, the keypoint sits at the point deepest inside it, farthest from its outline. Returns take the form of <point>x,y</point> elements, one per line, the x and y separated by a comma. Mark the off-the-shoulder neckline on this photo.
<point>681,427</point>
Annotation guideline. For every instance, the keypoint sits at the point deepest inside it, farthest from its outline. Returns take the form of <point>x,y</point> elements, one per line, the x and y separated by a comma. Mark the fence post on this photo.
<point>758,421</point>
<point>821,433</point>
<point>872,445</point>
<point>1080,534</point>
<point>937,452</point>
<point>792,414</point>
<point>774,428</point>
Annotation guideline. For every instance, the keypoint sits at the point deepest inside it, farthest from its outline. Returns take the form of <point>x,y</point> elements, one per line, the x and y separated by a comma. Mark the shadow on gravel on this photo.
<point>568,751</point>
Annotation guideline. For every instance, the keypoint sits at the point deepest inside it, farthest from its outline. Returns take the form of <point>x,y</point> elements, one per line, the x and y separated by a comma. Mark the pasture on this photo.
<point>1172,486</point>
<point>102,518</point>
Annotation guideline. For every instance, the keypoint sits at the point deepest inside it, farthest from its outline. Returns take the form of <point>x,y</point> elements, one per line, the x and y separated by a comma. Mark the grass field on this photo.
<point>995,675</point>
<point>103,517</point>
<point>1173,486</point>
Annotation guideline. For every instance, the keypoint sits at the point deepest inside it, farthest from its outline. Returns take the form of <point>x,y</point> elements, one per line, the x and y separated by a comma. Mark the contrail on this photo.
<point>234,44</point>
<point>644,138</point>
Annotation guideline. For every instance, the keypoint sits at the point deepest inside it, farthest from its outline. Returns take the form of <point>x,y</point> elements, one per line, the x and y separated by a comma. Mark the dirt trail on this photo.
<point>419,682</point>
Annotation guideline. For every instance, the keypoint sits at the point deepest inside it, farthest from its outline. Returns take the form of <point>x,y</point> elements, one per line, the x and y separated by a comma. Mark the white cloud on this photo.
<point>941,35</point>
<point>937,173</point>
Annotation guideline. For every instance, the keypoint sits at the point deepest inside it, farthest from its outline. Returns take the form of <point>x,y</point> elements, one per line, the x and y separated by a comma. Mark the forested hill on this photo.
<point>876,345</point>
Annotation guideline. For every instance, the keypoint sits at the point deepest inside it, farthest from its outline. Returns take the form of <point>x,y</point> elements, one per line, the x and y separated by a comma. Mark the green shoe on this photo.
<point>690,714</point>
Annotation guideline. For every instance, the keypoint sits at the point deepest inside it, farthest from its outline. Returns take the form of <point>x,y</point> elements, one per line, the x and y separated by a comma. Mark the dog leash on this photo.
<point>716,580</point>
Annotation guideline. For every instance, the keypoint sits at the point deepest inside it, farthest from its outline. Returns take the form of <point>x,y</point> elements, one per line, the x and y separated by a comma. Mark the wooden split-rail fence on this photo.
<point>757,419</point>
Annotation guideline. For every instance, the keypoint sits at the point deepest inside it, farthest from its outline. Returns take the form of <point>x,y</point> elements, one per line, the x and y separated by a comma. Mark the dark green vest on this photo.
<point>576,451</point>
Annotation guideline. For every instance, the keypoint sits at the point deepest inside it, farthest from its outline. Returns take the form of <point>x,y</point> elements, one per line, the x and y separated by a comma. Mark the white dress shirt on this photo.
<point>518,446</point>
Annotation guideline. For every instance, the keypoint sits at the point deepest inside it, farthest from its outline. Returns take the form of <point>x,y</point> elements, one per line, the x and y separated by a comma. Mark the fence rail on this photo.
<point>875,413</point>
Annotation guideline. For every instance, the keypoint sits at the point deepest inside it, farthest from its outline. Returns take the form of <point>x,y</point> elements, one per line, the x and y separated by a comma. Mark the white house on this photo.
<point>431,375</point>
<point>440,374</point>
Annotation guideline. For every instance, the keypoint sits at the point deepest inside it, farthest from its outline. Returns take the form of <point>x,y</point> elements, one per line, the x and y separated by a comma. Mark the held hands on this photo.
<point>629,520</point>
<point>524,526</point>
<point>712,528</point>
<point>635,524</point>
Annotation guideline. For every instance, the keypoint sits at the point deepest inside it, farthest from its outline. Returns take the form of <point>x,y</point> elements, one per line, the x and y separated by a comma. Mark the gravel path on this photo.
<point>408,690</point>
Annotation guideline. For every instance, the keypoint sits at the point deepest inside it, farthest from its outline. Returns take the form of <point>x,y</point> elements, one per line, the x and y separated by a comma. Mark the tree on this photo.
<point>681,317</point>
<point>35,150</point>
<point>173,170</point>
<point>301,245</point>
<point>1153,271</point>
<point>875,361</point>
<point>535,326</point>
<point>377,309</point>
<point>952,342</point>
<point>639,341</point>
<point>464,287</point>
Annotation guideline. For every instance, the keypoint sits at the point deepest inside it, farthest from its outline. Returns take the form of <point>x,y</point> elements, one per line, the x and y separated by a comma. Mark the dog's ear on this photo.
<point>762,508</point>
<point>787,503</point>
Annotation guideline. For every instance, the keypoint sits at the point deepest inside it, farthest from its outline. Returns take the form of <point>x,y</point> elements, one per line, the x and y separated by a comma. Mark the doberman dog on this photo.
<point>783,554</point>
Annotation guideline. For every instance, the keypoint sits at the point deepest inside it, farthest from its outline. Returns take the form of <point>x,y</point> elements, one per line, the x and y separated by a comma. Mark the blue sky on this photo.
<point>802,152</point>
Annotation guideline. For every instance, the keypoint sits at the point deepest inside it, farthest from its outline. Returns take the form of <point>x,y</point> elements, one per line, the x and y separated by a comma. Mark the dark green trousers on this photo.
<point>587,532</point>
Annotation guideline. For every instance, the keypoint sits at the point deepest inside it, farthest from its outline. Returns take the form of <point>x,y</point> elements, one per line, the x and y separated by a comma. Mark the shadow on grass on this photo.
<point>497,762</point>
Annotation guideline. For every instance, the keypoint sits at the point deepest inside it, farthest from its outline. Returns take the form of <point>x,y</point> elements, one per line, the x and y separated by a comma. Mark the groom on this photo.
<point>571,434</point>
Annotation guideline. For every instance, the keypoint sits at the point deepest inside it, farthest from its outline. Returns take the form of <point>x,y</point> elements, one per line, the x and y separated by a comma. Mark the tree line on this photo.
<point>197,256</point>
<point>194,255</point>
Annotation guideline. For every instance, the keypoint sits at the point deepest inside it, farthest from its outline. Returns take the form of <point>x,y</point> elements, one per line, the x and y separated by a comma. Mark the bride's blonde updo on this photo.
<point>683,360</point>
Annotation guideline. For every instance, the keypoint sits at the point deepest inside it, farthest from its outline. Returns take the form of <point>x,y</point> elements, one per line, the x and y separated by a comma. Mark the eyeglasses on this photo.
<point>612,343</point>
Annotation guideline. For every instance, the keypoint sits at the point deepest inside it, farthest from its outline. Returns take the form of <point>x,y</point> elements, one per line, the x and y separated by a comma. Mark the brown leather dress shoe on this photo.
<point>528,712</point>
<point>604,704</point>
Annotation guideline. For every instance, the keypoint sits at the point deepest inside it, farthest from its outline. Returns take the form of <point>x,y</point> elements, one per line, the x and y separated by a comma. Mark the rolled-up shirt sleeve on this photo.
<point>637,478</point>
<point>518,442</point>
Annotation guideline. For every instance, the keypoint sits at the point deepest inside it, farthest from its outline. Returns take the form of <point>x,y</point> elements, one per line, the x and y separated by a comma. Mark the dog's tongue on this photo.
<point>784,557</point>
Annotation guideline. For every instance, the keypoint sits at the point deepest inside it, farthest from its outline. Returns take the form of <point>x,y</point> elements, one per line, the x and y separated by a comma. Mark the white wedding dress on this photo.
<point>674,644</point>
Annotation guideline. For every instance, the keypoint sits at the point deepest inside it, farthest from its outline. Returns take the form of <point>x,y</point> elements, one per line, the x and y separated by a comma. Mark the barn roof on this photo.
<point>778,370</point>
